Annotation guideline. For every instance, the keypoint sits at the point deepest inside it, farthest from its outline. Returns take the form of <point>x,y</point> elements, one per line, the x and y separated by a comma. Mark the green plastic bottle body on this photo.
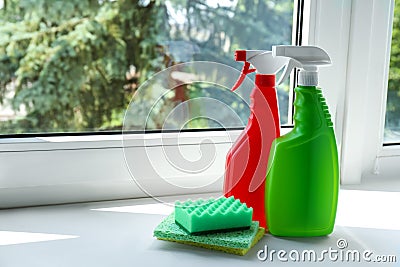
<point>303,173</point>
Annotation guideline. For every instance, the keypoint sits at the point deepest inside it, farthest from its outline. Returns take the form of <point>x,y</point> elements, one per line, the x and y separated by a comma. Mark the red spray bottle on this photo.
<point>246,161</point>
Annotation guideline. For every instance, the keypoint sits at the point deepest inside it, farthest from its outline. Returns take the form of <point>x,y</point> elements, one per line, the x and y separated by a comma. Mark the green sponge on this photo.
<point>235,242</point>
<point>236,251</point>
<point>213,215</point>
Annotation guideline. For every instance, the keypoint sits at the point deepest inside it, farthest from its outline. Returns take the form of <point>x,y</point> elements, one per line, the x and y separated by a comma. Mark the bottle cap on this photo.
<point>265,80</point>
<point>308,78</point>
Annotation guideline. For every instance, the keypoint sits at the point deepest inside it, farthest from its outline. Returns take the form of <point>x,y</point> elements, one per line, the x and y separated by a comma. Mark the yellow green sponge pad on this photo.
<point>213,215</point>
<point>234,242</point>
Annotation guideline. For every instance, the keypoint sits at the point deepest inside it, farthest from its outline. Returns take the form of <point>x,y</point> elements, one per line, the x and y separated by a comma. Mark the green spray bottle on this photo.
<point>303,174</point>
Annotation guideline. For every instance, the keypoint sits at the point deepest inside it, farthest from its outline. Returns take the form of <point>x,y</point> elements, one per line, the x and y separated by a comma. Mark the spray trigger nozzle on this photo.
<point>305,58</point>
<point>245,70</point>
<point>292,63</point>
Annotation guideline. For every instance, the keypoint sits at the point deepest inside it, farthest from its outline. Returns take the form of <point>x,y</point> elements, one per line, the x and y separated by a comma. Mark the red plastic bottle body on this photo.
<point>246,161</point>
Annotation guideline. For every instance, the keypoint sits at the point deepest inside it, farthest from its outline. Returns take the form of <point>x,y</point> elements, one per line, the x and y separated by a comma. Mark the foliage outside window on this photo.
<point>73,66</point>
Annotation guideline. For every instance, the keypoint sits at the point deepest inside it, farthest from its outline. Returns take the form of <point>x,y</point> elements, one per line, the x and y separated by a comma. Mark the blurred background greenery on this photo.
<point>73,66</point>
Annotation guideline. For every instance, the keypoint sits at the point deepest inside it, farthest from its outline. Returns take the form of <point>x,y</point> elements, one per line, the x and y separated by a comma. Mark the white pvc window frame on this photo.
<point>357,34</point>
<point>363,156</point>
<point>50,170</point>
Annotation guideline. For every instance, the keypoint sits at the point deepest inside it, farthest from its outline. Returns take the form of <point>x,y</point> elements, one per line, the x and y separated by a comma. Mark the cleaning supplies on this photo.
<point>303,174</point>
<point>212,215</point>
<point>246,161</point>
<point>234,242</point>
<point>212,224</point>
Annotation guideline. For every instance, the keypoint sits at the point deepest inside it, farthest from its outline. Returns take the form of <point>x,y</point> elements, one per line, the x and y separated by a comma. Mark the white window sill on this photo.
<point>119,233</point>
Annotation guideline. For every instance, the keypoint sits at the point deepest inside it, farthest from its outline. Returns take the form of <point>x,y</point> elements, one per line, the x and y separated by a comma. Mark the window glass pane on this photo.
<point>73,66</point>
<point>392,122</point>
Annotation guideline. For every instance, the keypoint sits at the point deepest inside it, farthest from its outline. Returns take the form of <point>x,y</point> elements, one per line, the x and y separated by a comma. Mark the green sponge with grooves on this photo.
<point>213,215</point>
<point>234,242</point>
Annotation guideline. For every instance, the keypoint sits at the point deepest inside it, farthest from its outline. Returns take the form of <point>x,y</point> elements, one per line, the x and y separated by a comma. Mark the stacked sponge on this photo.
<point>213,215</point>
<point>223,224</point>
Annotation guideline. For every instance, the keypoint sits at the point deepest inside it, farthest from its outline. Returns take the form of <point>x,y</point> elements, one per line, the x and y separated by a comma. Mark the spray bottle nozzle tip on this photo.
<point>240,55</point>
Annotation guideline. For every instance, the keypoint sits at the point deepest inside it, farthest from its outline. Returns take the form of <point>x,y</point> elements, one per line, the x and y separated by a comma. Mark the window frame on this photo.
<point>88,168</point>
<point>81,168</point>
<point>364,157</point>
<point>357,35</point>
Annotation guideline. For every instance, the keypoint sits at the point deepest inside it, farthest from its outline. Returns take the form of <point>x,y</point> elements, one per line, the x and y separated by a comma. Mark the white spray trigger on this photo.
<point>306,58</point>
<point>292,63</point>
<point>264,61</point>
